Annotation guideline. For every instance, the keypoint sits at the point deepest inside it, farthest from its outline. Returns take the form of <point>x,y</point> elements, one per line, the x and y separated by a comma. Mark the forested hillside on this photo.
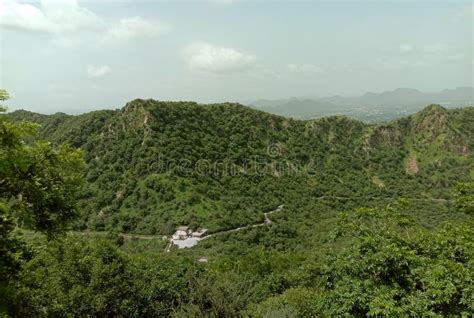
<point>374,220</point>
<point>154,165</point>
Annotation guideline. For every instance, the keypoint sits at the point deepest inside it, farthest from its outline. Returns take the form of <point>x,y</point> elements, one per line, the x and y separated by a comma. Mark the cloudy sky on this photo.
<point>75,56</point>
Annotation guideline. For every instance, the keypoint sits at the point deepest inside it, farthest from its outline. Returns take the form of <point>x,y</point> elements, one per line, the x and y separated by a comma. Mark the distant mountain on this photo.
<point>460,96</point>
<point>294,107</point>
<point>370,107</point>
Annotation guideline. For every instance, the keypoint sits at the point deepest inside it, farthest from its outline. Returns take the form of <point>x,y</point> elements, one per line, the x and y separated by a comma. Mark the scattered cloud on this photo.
<point>406,47</point>
<point>218,60</point>
<point>129,28</point>
<point>62,17</point>
<point>303,68</point>
<point>94,71</point>
<point>51,16</point>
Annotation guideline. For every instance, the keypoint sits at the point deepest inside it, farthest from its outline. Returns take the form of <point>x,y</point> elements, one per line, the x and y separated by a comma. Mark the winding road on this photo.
<point>266,221</point>
<point>192,241</point>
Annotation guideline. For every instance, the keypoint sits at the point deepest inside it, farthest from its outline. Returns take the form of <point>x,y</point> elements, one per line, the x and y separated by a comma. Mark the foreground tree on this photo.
<point>84,276</point>
<point>396,268</point>
<point>381,263</point>
<point>464,197</point>
<point>38,185</point>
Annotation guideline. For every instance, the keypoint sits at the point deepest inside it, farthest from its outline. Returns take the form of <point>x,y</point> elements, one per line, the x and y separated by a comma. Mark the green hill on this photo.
<point>362,231</point>
<point>153,165</point>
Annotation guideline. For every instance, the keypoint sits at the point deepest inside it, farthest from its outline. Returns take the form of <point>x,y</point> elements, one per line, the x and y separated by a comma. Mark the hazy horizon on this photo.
<point>76,57</point>
<point>255,103</point>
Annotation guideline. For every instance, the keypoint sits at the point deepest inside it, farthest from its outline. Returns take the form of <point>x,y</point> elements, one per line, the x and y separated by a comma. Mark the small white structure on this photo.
<point>203,259</point>
<point>182,233</point>
<point>186,243</point>
<point>185,238</point>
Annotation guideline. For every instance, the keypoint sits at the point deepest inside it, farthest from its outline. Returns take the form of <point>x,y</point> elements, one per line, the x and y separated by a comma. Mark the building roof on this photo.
<point>183,228</point>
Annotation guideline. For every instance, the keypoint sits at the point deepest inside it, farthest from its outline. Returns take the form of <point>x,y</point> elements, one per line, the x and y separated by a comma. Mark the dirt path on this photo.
<point>388,198</point>
<point>266,221</point>
<point>141,236</point>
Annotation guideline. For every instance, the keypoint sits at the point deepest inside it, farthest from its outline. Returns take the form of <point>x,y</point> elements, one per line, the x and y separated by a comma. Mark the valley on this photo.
<point>231,158</point>
<point>283,204</point>
<point>329,158</point>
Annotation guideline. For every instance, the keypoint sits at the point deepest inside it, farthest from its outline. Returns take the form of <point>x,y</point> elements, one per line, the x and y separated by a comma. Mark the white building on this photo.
<point>182,233</point>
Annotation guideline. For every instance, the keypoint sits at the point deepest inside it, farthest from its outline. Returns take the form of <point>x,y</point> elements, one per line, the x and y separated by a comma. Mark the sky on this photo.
<point>75,56</point>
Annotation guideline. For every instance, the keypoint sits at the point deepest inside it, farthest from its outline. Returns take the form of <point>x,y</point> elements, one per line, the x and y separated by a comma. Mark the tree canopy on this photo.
<point>38,186</point>
<point>381,224</point>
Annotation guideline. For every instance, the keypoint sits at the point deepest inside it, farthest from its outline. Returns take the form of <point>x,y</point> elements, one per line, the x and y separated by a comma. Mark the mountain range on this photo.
<point>370,107</point>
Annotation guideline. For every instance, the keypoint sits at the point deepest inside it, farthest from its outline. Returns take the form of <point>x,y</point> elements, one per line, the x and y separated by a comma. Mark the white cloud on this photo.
<point>218,60</point>
<point>61,17</point>
<point>406,47</point>
<point>134,27</point>
<point>94,71</point>
<point>303,68</point>
<point>51,16</point>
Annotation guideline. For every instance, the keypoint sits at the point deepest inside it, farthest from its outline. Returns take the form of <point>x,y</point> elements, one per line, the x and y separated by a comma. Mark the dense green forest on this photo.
<point>154,165</point>
<point>377,219</point>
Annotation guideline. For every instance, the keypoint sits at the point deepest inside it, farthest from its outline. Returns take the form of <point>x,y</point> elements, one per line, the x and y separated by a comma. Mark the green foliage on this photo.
<point>38,181</point>
<point>10,253</point>
<point>8,245</point>
<point>3,97</point>
<point>395,268</point>
<point>154,163</point>
<point>38,185</point>
<point>464,197</point>
<point>294,302</point>
<point>94,278</point>
<point>391,258</point>
<point>73,276</point>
